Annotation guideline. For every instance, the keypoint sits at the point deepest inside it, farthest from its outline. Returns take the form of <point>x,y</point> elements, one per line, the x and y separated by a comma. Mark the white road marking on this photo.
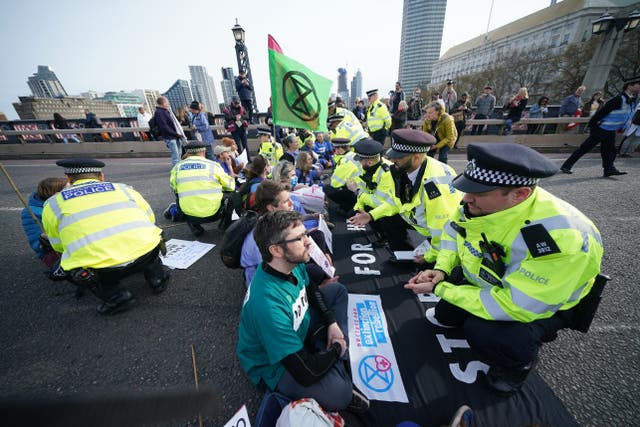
<point>11,209</point>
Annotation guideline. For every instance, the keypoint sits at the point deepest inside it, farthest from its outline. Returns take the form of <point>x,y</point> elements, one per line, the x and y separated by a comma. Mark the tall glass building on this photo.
<point>179,95</point>
<point>422,23</point>
<point>203,88</point>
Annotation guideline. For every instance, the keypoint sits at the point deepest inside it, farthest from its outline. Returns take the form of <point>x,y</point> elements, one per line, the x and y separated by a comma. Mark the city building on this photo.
<point>343,90</point>
<point>203,88</point>
<point>45,83</point>
<point>91,94</point>
<point>127,103</point>
<point>356,86</point>
<point>422,23</point>
<point>179,95</point>
<point>70,107</point>
<point>228,85</point>
<point>149,98</point>
<point>553,28</point>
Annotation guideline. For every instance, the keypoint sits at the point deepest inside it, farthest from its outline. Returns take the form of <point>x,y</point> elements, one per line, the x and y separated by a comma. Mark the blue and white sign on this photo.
<point>373,362</point>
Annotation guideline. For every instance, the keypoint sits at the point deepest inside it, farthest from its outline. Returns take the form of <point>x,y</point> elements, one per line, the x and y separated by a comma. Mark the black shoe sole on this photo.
<point>119,308</point>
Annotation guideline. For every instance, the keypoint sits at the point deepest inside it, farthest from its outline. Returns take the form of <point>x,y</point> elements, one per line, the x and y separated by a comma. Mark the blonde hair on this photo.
<point>523,93</point>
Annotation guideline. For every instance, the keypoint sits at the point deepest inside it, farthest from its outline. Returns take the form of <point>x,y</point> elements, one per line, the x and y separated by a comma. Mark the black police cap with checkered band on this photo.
<point>80,165</point>
<point>405,142</point>
<point>493,165</point>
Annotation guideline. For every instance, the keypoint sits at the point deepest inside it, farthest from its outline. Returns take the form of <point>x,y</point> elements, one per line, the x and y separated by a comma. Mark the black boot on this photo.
<point>508,381</point>
<point>157,276</point>
<point>196,229</point>
<point>120,301</point>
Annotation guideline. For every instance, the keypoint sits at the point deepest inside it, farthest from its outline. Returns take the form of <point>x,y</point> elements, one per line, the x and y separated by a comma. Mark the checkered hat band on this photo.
<point>367,156</point>
<point>405,148</point>
<point>496,178</point>
<point>75,171</point>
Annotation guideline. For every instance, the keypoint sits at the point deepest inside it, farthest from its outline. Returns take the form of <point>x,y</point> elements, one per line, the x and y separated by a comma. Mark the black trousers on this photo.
<point>506,344</point>
<point>379,135</point>
<point>236,204</point>
<point>478,129</point>
<point>247,104</point>
<point>394,229</point>
<point>607,141</point>
<point>108,278</point>
<point>341,196</point>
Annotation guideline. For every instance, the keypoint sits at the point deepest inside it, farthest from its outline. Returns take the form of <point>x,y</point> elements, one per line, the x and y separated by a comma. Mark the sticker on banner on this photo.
<point>239,419</point>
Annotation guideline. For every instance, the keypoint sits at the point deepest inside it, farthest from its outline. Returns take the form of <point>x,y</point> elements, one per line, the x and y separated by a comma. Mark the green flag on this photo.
<point>298,95</point>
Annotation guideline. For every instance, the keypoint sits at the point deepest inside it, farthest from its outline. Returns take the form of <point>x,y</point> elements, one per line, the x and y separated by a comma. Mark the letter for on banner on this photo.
<point>359,247</point>
<point>366,271</point>
<point>447,344</point>
<point>469,375</point>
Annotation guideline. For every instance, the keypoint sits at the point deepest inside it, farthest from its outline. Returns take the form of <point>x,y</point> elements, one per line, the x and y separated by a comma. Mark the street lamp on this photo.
<point>611,28</point>
<point>242,55</point>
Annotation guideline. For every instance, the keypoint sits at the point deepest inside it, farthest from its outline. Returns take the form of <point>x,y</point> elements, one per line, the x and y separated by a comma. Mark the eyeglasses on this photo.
<point>301,238</point>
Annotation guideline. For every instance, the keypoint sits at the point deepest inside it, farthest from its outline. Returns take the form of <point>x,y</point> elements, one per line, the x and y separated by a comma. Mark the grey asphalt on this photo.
<point>53,345</point>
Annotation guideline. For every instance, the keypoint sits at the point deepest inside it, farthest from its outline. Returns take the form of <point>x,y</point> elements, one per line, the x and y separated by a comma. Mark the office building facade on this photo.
<point>203,88</point>
<point>228,85</point>
<point>356,87</point>
<point>70,107</point>
<point>179,95</point>
<point>149,98</point>
<point>45,83</point>
<point>422,23</point>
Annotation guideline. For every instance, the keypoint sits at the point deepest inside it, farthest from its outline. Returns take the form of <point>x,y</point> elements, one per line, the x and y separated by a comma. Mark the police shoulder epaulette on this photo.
<point>385,167</point>
<point>539,241</point>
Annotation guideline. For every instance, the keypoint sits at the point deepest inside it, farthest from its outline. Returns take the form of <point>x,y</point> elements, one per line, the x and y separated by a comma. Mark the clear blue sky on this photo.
<point>144,44</point>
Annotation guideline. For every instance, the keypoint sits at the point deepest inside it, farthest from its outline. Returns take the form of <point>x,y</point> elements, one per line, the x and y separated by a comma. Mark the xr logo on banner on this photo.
<point>300,96</point>
<point>376,373</point>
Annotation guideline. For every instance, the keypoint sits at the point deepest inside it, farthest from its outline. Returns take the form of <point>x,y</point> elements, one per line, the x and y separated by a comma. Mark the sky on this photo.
<point>113,45</point>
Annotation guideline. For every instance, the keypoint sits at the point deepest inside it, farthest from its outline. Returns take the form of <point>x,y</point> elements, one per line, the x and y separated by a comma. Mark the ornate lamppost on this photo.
<point>242,55</point>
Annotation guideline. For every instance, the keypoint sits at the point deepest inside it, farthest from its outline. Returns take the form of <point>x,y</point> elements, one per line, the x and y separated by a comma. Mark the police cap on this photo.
<point>335,118</point>
<point>405,142</point>
<point>493,165</point>
<point>372,92</point>
<point>80,165</point>
<point>367,148</point>
<point>341,142</point>
<point>264,130</point>
<point>332,103</point>
<point>194,147</point>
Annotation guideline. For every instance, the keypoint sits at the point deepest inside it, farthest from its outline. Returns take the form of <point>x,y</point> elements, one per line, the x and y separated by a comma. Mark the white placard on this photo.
<point>428,298</point>
<point>328,237</point>
<point>183,253</point>
<point>240,419</point>
<point>242,158</point>
<point>312,198</point>
<point>403,255</point>
<point>422,248</point>
<point>373,362</point>
<point>321,259</point>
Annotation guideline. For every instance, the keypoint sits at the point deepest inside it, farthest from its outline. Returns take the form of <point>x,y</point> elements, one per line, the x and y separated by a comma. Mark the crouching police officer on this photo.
<point>199,184</point>
<point>530,261</point>
<point>346,169</point>
<point>105,231</point>
<point>376,196</point>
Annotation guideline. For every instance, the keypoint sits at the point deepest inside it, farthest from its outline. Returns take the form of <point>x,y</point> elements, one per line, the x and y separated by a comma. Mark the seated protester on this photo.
<point>46,188</point>
<point>269,149</point>
<point>272,196</point>
<point>323,150</point>
<point>292,334</point>
<point>199,185</point>
<point>237,164</point>
<point>376,202</point>
<point>285,173</point>
<point>530,262</point>
<point>105,231</point>
<point>291,144</point>
<point>224,159</point>
<point>305,171</point>
<point>256,172</point>
<point>346,169</point>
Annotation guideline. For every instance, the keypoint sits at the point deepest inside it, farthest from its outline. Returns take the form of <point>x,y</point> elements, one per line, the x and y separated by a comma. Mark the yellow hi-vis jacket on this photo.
<point>97,224</point>
<point>271,150</point>
<point>432,204</point>
<point>379,194</point>
<point>552,254</point>
<point>199,183</point>
<point>351,131</point>
<point>346,168</point>
<point>378,117</point>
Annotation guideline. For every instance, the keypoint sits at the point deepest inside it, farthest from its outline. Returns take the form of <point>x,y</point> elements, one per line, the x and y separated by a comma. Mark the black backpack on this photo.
<point>154,129</point>
<point>231,246</point>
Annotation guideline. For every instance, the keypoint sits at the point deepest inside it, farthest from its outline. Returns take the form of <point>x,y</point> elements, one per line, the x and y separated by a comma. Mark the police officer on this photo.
<point>376,196</point>
<point>199,184</point>
<point>105,231</point>
<point>378,118</point>
<point>529,261</point>
<point>269,149</point>
<point>615,115</point>
<point>346,169</point>
<point>423,187</point>
<point>340,127</point>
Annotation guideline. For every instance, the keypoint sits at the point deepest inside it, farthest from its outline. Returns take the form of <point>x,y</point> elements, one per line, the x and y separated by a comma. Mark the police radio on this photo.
<point>491,255</point>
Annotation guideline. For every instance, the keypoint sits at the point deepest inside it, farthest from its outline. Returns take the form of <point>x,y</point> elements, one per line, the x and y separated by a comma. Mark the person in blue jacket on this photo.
<point>46,188</point>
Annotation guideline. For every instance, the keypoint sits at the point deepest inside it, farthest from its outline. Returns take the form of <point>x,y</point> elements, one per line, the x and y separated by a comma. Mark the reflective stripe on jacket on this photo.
<point>567,252</point>
<point>378,117</point>
<point>346,168</point>
<point>380,196</point>
<point>199,183</point>
<point>99,224</point>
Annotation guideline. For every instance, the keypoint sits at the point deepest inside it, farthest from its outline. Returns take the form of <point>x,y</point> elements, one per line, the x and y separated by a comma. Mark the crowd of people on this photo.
<point>512,263</point>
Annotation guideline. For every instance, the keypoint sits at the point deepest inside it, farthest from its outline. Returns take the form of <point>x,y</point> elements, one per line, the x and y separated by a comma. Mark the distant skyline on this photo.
<point>123,45</point>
